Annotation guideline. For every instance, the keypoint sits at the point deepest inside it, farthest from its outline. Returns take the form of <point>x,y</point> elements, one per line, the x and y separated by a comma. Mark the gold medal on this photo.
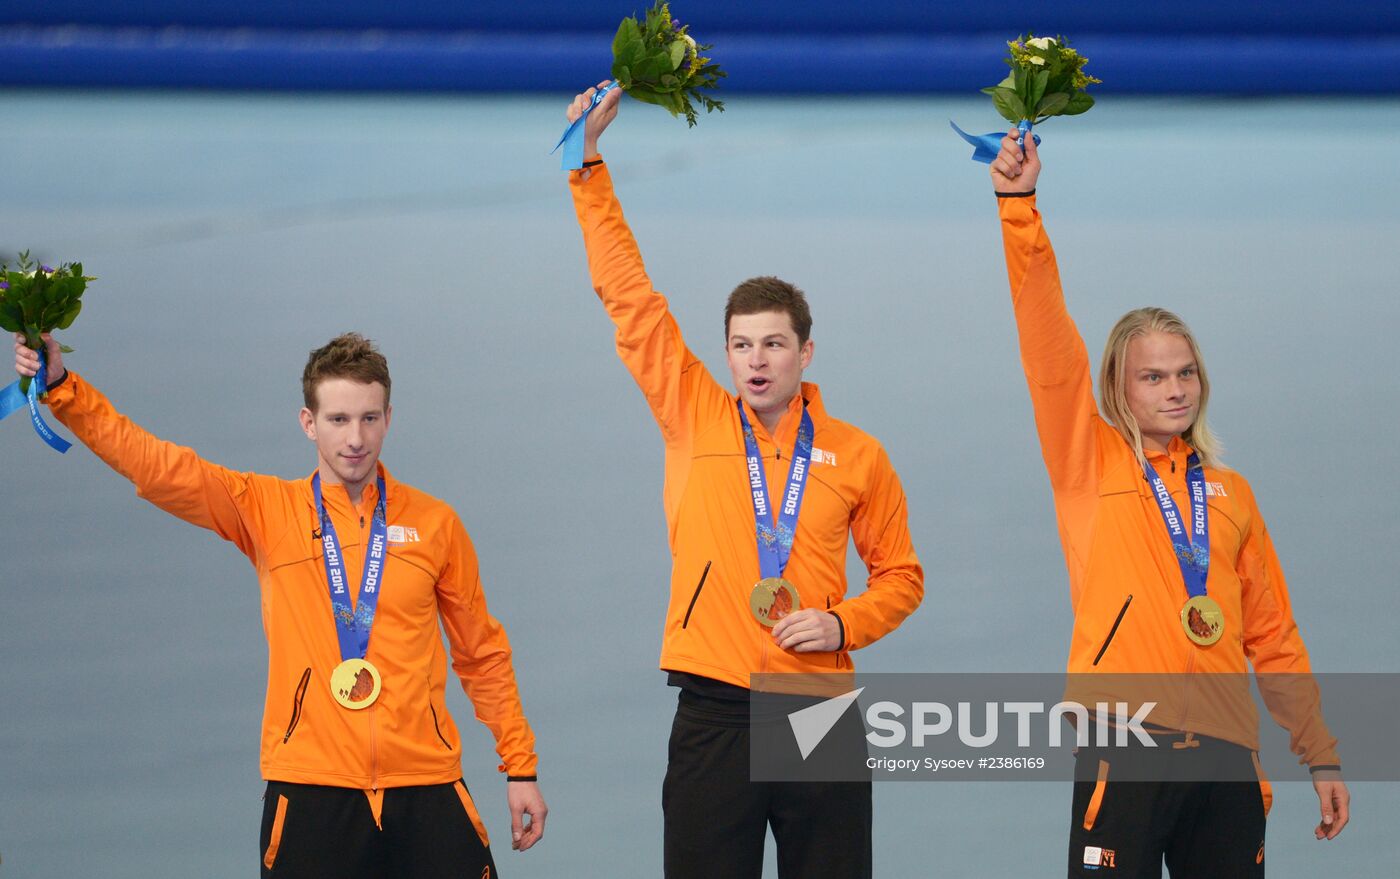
<point>355,684</point>
<point>1203,620</point>
<point>772,599</point>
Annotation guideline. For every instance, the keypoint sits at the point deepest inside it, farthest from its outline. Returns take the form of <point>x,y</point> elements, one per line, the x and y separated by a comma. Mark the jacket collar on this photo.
<point>786,435</point>
<point>337,498</point>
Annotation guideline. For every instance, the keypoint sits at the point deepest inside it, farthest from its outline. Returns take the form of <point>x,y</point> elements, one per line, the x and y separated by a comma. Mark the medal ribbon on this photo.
<point>572,139</point>
<point>1192,554</point>
<point>352,624</point>
<point>775,544</point>
<point>986,146</point>
<point>12,400</point>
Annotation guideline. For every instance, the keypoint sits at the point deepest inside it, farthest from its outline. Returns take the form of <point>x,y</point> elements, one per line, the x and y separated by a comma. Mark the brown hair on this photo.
<point>1113,384</point>
<point>757,295</point>
<point>349,355</point>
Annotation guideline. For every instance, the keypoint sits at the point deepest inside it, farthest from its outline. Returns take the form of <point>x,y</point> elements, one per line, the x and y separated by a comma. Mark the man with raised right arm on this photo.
<point>1173,578</point>
<point>763,490</point>
<point>357,571</point>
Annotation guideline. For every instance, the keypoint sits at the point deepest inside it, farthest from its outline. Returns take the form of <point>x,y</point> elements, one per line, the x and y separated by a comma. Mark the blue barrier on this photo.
<point>818,46</point>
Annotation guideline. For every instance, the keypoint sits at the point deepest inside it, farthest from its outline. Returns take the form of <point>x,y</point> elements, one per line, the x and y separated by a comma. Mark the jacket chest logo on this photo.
<point>400,534</point>
<point>823,457</point>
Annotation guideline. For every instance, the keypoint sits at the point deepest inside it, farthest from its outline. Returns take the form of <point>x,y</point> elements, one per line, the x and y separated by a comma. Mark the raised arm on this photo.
<point>648,339</point>
<point>172,477</point>
<point>1053,355</point>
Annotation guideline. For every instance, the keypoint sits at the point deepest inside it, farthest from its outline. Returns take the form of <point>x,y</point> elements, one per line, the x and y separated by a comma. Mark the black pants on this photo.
<point>1203,827</point>
<point>315,832</point>
<point>717,820</point>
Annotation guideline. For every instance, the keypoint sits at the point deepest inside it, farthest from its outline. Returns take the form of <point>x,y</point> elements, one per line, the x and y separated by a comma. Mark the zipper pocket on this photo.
<point>1113,631</point>
<point>435,725</point>
<point>698,586</point>
<point>296,705</point>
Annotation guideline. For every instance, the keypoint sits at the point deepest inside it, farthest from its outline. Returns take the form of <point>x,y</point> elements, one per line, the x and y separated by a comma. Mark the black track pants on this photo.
<point>716,819</point>
<point>1202,829</point>
<point>314,832</point>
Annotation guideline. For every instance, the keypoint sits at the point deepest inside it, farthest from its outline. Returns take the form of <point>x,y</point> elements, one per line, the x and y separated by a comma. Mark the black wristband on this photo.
<point>521,778</point>
<point>1321,767</point>
<point>1016,194</point>
<point>841,626</point>
<point>60,381</point>
<point>590,164</point>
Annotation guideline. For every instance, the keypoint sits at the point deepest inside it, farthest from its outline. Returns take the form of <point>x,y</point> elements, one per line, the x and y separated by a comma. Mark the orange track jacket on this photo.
<point>852,490</point>
<point>406,737</point>
<point>1125,583</point>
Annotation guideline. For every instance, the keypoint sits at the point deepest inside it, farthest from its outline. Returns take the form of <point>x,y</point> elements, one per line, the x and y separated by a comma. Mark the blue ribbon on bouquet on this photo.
<point>986,146</point>
<point>572,139</point>
<point>12,399</point>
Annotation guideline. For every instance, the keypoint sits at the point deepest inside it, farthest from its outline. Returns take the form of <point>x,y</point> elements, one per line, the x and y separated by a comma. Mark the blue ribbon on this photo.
<point>352,624</point>
<point>572,139</point>
<point>12,399</point>
<point>986,146</point>
<point>775,544</point>
<point>1193,554</point>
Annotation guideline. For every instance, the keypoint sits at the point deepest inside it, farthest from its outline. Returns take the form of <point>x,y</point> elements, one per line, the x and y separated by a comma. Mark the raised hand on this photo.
<point>27,359</point>
<point>598,121</point>
<point>1015,169</point>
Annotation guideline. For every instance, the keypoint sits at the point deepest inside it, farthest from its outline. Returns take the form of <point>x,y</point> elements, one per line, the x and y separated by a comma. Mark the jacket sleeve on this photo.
<point>481,656</point>
<point>648,339</point>
<point>1275,647</point>
<point>172,477</point>
<point>1053,355</point>
<point>895,585</point>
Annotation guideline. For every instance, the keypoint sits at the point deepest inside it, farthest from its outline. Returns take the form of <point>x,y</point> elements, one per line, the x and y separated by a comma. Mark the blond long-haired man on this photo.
<point>1173,580</point>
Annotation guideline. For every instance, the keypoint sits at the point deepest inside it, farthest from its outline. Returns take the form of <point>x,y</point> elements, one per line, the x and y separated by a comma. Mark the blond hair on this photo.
<point>1113,384</point>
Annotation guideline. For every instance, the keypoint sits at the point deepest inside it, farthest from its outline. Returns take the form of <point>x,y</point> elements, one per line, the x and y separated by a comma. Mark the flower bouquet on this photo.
<point>37,299</point>
<point>657,61</point>
<point>1047,79</point>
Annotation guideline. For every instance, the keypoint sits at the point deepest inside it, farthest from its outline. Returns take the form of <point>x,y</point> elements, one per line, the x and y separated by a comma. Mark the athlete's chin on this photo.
<point>355,469</point>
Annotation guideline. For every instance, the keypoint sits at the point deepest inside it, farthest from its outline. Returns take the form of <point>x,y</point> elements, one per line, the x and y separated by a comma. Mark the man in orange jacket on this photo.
<point>359,752</point>
<point>758,578</point>
<point>1173,578</point>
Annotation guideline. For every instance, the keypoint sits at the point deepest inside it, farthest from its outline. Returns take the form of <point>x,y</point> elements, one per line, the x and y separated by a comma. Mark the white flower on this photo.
<point>1037,60</point>
<point>1041,42</point>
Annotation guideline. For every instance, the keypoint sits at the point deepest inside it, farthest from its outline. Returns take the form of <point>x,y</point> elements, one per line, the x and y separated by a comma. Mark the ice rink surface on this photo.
<point>232,234</point>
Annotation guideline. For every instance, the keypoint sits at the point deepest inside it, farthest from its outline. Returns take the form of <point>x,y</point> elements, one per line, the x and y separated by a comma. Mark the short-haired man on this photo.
<point>356,568</point>
<point>763,491</point>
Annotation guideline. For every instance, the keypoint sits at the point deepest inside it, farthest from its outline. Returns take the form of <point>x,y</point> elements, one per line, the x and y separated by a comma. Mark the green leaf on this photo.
<point>677,53</point>
<point>1037,89</point>
<point>1052,105</point>
<point>1009,105</point>
<point>65,349</point>
<point>1079,102</point>
<point>627,32</point>
<point>622,75</point>
<point>69,316</point>
<point>1009,82</point>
